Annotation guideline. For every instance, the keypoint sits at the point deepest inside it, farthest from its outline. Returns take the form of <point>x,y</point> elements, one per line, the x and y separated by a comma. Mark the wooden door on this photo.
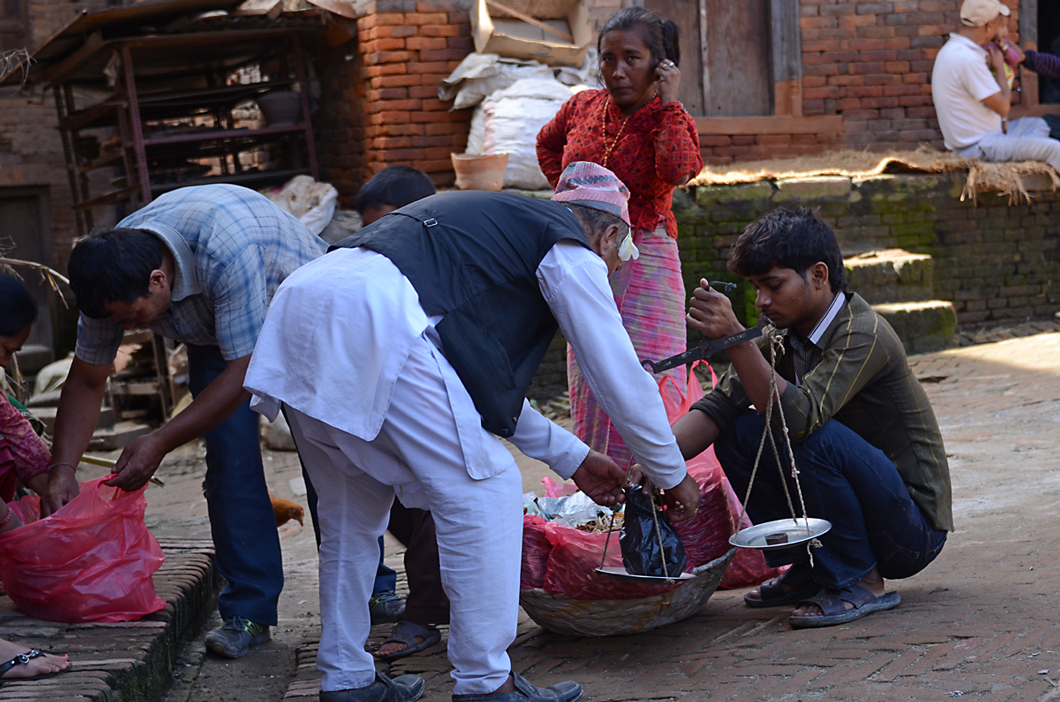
<point>686,13</point>
<point>23,212</point>
<point>725,55</point>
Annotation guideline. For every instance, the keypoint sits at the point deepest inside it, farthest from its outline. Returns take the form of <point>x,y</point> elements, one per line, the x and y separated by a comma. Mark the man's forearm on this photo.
<point>695,432</point>
<point>755,373</point>
<point>214,404</point>
<point>78,412</point>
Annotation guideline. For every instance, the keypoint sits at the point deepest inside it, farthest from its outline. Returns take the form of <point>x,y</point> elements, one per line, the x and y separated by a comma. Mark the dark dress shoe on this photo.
<point>404,688</point>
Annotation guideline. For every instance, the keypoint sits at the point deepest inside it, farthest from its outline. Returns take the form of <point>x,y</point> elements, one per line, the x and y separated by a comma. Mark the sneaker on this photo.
<point>236,636</point>
<point>386,607</point>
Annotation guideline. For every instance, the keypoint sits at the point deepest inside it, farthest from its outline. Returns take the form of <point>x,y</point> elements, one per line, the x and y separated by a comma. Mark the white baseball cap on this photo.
<point>976,13</point>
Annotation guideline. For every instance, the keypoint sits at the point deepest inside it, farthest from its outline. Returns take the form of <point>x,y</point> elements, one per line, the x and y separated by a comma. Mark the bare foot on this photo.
<point>41,665</point>
<point>389,649</point>
<point>11,522</point>
<point>873,582</point>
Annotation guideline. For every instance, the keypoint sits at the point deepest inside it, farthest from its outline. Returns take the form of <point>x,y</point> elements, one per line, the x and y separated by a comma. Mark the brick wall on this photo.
<point>405,55</point>
<point>338,125</point>
<point>871,63</point>
<point>994,260</point>
<point>723,149</point>
<point>407,47</point>
<point>30,149</point>
<point>868,63</point>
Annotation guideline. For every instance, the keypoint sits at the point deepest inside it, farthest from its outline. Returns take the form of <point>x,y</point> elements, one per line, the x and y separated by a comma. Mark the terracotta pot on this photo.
<point>479,171</point>
<point>281,108</point>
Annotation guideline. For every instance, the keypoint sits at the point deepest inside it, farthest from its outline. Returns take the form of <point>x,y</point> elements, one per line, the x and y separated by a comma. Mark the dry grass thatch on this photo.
<point>1005,178</point>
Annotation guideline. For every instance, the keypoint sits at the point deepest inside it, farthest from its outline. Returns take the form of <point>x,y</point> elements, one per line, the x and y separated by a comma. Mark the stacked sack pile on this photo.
<point>513,99</point>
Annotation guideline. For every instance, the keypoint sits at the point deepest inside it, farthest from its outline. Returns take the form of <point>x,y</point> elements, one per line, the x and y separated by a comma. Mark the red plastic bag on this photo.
<point>749,566</point>
<point>536,548</point>
<point>91,561</point>
<point>574,557</point>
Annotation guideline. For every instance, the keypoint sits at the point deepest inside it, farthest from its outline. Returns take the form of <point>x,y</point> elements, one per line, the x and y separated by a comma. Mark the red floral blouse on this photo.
<point>658,146</point>
<point>20,448</point>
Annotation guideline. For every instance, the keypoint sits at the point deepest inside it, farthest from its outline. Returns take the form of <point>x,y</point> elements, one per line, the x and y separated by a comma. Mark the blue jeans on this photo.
<point>241,521</point>
<point>875,523</point>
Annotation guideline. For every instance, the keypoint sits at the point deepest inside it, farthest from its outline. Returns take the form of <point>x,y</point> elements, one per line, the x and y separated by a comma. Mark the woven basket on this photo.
<point>565,615</point>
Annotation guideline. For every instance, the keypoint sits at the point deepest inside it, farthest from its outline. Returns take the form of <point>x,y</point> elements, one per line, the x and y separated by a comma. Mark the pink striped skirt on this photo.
<point>650,294</point>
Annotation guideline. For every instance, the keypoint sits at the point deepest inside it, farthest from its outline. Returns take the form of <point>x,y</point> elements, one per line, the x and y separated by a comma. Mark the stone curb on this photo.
<point>128,660</point>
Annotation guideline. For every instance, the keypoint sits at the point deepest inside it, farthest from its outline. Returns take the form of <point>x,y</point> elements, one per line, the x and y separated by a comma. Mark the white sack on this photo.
<point>512,118</point>
<point>479,75</point>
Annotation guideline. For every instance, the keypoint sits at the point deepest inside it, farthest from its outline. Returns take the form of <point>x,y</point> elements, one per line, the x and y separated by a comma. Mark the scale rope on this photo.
<point>775,342</point>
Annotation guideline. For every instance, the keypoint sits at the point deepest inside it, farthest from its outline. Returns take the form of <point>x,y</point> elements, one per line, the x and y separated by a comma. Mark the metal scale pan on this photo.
<point>620,573</point>
<point>793,531</point>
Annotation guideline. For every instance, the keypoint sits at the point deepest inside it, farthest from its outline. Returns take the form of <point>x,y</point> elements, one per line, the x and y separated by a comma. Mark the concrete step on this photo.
<point>890,275</point>
<point>923,326</point>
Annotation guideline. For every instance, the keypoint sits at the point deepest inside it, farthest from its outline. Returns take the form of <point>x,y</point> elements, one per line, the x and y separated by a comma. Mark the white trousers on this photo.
<point>479,524</point>
<point>1027,140</point>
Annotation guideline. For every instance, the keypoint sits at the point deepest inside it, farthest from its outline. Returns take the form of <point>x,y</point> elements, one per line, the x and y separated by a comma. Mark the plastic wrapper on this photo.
<point>650,546</point>
<point>91,561</point>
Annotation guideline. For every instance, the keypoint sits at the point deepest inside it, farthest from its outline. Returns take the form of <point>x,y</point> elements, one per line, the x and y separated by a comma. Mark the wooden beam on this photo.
<point>753,126</point>
<point>73,62</point>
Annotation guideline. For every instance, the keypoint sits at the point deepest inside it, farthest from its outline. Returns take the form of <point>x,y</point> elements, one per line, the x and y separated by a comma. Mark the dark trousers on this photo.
<point>427,602</point>
<point>241,520</point>
<point>875,523</point>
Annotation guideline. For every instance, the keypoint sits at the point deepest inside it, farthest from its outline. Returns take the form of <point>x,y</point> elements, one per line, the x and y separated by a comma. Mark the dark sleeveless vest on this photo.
<point>473,257</point>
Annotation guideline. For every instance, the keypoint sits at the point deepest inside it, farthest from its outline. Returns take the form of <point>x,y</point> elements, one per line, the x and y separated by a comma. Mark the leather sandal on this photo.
<point>833,611</point>
<point>404,688</point>
<point>772,593</point>
<point>406,632</point>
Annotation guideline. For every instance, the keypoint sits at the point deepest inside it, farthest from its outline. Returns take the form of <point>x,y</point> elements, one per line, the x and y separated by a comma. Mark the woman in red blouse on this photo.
<point>638,129</point>
<point>23,457</point>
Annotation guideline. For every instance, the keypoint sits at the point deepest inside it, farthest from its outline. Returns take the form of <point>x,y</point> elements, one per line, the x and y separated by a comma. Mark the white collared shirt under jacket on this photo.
<point>350,319</point>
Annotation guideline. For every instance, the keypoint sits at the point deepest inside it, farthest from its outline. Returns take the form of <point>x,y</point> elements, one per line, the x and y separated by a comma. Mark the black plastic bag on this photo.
<point>640,542</point>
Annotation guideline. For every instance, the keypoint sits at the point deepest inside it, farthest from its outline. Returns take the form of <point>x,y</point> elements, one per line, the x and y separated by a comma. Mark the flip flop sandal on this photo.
<point>834,612</point>
<point>406,633</point>
<point>772,592</point>
<point>24,659</point>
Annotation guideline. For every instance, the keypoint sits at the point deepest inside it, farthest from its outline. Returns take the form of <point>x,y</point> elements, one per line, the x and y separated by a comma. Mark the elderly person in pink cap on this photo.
<point>403,354</point>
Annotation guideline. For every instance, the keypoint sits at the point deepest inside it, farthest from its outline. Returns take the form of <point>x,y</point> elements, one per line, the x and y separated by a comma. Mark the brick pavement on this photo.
<point>980,622</point>
<point>131,660</point>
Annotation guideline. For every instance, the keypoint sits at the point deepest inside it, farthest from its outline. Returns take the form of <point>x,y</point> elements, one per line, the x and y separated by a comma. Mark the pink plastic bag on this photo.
<point>91,561</point>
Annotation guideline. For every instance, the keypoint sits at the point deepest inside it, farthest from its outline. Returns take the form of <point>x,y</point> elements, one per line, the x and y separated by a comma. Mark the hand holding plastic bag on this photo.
<point>90,561</point>
<point>648,540</point>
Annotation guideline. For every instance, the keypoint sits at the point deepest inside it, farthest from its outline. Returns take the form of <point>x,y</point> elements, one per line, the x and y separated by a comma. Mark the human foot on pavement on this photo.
<point>873,582</point>
<point>24,664</point>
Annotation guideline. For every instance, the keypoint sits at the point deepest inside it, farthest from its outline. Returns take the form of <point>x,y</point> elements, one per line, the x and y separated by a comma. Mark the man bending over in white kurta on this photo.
<point>402,355</point>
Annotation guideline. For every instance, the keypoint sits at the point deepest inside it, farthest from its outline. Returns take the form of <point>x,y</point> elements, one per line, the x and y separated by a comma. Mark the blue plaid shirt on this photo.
<point>232,248</point>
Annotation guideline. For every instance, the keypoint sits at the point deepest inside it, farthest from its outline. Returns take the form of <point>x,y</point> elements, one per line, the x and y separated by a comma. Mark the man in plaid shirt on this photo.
<point>198,265</point>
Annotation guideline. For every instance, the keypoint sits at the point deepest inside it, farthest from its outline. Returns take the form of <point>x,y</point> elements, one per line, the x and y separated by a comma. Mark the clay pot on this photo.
<point>479,171</point>
<point>281,108</point>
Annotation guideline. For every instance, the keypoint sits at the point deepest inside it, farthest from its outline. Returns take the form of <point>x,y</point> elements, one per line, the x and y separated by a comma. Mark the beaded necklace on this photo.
<point>603,131</point>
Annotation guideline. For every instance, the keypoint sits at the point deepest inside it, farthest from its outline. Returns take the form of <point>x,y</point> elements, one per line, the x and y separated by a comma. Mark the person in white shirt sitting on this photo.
<point>972,97</point>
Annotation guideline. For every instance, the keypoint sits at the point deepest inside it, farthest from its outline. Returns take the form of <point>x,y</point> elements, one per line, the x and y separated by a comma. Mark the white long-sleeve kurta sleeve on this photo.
<point>573,281</point>
<point>541,438</point>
